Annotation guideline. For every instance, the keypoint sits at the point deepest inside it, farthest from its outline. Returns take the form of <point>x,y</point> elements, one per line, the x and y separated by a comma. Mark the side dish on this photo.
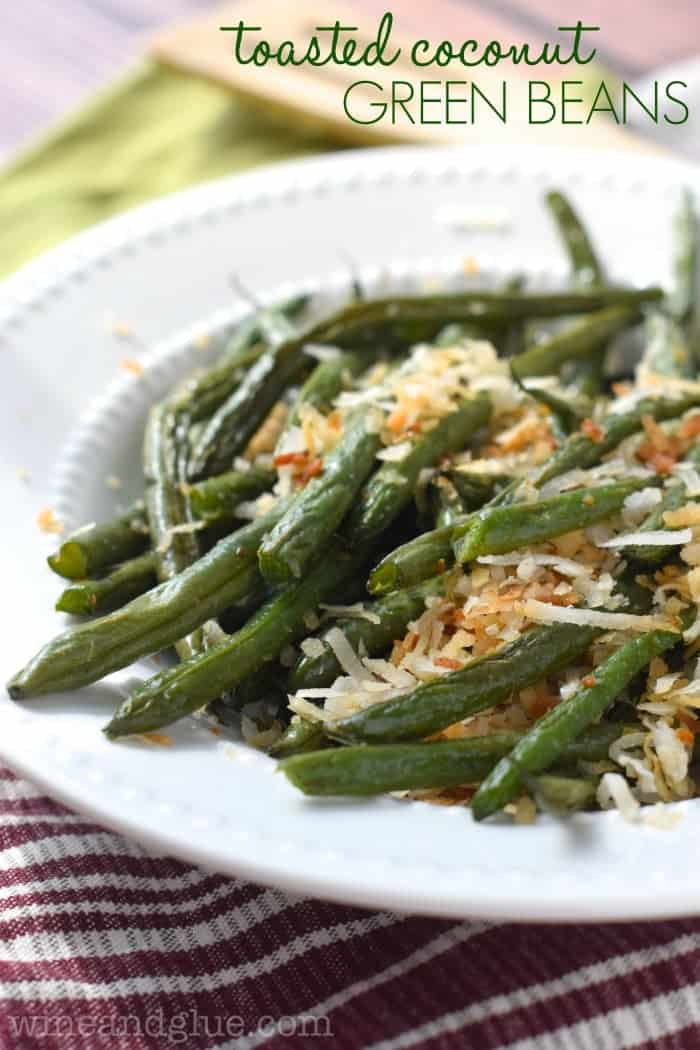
<point>443,545</point>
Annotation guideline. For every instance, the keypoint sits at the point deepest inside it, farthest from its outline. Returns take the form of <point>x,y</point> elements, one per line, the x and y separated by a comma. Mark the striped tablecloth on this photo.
<point>104,946</point>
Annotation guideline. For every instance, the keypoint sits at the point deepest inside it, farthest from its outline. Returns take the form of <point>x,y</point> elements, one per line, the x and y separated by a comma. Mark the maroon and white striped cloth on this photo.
<point>105,946</point>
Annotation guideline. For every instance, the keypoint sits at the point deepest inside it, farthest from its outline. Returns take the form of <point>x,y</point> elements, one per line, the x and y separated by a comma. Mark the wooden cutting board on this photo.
<point>314,95</point>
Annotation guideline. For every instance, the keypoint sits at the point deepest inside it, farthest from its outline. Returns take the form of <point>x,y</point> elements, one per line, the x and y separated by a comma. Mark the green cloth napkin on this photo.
<point>153,132</point>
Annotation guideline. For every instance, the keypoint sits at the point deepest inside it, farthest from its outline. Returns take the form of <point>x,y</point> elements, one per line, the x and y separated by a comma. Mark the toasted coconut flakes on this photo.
<point>665,683</point>
<point>374,421</point>
<point>187,526</point>
<point>659,707</point>
<point>569,689</point>
<point>524,811</point>
<point>566,566</point>
<point>689,476</point>
<point>651,538</point>
<point>640,503</point>
<point>184,528</point>
<point>130,364</point>
<point>693,579</point>
<point>249,510</point>
<point>671,753</point>
<point>635,767</point>
<point>357,610</point>
<point>322,351</point>
<point>313,647</point>
<point>687,515</point>
<point>122,330</point>
<point>346,655</point>
<point>395,453</point>
<point>691,554</point>
<point>395,676</point>
<point>614,792</point>
<point>308,711</point>
<point>693,631</point>
<point>160,739</point>
<point>543,612</point>
<point>48,522</point>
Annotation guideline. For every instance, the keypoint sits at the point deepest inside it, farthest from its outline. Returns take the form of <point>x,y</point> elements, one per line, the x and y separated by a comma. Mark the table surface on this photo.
<point>54,55</point>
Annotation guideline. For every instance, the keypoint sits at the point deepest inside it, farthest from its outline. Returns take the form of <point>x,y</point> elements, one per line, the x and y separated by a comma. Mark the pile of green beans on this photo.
<point>236,590</point>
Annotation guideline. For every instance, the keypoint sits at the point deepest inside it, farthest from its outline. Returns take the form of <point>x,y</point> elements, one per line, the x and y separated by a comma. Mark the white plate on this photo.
<point>165,270</point>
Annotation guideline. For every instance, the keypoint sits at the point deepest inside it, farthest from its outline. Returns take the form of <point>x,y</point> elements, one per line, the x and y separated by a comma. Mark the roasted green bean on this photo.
<point>481,683</point>
<point>379,768</point>
<point>546,741</point>
<point>119,586</point>
<point>223,577</point>
<point>181,690</point>
<point>93,548</point>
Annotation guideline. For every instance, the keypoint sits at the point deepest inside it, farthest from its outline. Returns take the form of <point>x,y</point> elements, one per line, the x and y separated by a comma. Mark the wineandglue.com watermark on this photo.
<point>435,93</point>
<point>179,1028</point>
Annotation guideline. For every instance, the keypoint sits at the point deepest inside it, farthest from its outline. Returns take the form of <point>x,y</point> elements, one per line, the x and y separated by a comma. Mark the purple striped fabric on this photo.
<point>104,946</point>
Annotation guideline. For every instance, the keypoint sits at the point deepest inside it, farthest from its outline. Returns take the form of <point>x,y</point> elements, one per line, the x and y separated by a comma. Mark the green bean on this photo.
<point>584,373</point>
<point>586,267</point>
<point>365,320</point>
<point>682,299</point>
<point>381,768</point>
<point>218,497</point>
<point>497,530</point>
<point>317,510</point>
<point>477,489</point>
<point>425,556</point>
<point>480,684</point>
<point>390,619</point>
<point>119,586</point>
<point>203,392</point>
<point>223,577</point>
<point>587,374</point>
<point>448,505</point>
<point>181,690</point>
<point>453,334</point>
<point>235,421</point>
<point>574,342</point>
<point>433,552</point>
<point>167,505</point>
<point>652,554</point>
<point>267,686</point>
<point>581,451</point>
<point>325,383</point>
<point>666,348</point>
<point>299,737</point>
<point>93,548</point>
<point>567,414</point>
<point>391,488</point>
<point>364,323</point>
<point>545,742</point>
